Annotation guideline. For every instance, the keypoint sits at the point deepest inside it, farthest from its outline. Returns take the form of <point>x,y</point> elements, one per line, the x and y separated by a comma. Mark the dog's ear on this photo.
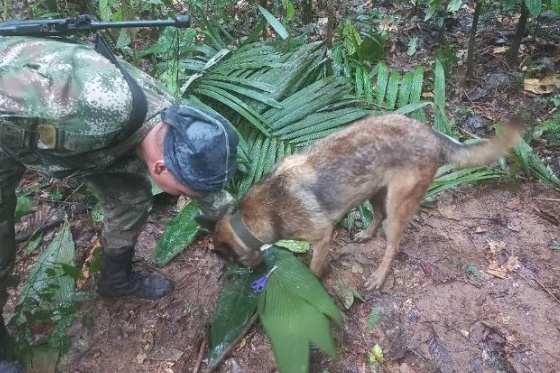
<point>207,222</point>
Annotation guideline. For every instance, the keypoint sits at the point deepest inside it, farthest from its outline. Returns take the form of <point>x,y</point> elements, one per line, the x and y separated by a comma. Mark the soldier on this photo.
<point>67,111</point>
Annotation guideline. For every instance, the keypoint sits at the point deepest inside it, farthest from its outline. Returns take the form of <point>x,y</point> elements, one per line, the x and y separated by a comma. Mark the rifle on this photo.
<point>80,23</point>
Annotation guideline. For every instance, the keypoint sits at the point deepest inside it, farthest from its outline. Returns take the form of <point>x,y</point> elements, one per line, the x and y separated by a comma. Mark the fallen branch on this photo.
<point>200,354</point>
<point>212,365</point>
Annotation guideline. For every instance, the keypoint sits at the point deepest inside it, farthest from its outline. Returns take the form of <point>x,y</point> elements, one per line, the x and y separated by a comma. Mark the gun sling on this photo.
<point>139,102</point>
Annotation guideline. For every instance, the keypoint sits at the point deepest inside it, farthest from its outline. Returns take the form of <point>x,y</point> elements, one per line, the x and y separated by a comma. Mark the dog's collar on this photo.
<point>240,229</point>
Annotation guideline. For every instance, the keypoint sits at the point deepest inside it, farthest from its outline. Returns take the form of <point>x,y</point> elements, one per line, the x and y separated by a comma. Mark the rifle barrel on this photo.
<point>178,21</point>
<point>81,23</point>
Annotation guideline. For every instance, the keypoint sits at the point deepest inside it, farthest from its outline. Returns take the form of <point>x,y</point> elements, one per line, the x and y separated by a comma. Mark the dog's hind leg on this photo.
<point>404,195</point>
<point>378,204</point>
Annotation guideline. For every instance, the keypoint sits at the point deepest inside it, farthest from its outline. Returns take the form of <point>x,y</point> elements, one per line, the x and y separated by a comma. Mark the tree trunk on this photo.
<point>307,11</point>
<point>330,32</point>
<point>470,51</point>
<point>518,37</point>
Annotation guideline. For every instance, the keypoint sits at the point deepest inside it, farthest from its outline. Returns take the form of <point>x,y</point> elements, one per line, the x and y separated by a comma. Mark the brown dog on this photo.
<point>389,160</point>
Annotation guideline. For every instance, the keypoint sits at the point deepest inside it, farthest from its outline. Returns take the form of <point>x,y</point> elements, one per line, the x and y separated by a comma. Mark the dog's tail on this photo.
<point>484,152</point>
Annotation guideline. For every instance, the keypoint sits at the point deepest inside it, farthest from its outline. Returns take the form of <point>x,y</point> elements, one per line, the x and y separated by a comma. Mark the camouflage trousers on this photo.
<point>126,199</point>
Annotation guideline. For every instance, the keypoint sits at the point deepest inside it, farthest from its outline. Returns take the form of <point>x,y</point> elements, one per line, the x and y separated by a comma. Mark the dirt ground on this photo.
<point>474,289</point>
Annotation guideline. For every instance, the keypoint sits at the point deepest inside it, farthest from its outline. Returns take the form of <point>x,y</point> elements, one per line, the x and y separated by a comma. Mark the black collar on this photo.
<point>240,229</point>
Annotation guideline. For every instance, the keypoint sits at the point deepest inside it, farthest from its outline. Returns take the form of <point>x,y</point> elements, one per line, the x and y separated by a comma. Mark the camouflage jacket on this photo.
<point>56,83</point>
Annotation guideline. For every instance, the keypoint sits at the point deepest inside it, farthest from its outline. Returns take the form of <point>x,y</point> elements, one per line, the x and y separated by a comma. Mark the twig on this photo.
<point>200,354</point>
<point>545,288</point>
<point>216,362</point>
<point>547,199</point>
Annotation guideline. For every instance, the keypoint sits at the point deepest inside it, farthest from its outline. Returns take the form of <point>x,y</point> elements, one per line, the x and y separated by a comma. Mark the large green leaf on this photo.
<point>235,308</point>
<point>48,296</point>
<point>534,6</point>
<point>179,233</point>
<point>448,177</point>
<point>276,25</point>
<point>382,80</point>
<point>295,311</point>
<point>441,123</point>
<point>533,166</point>
<point>48,274</point>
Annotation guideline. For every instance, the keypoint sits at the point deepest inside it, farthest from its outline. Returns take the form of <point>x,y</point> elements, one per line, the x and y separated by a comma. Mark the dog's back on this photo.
<point>340,171</point>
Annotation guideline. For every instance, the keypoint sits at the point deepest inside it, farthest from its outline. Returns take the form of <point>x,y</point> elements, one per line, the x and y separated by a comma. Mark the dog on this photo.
<point>390,160</point>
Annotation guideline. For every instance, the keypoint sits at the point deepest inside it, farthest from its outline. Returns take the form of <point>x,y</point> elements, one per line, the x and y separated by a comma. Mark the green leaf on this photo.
<point>441,123</point>
<point>533,166</point>
<point>416,93</point>
<point>359,83</point>
<point>104,10</point>
<point>59,252</point>
<point>370,49</point>
<point>44,359</point>
<point>454,5</point>
<point>447,177</point>
<point>534,6</point>
<point>295,311</point>
<point>392,89</point>
<point>235,308</point>
<point>412,46</point>
<point>368,89</point>
<point>235,103</point>
<point>24,206</point>
<point>178,235</point>
<point>276,25</point>
<point>404,91</point>
<point>382,79</point>
<point>555,6</point>
<point>374,317</point>
<point>293,246</point>
<point>412,108</point>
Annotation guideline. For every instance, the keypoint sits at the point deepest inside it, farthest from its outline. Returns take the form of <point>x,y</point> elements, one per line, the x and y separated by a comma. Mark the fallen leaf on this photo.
<point>546,85</point>
<point>87,263</point>
<point>480,230</point>
<point>141,358</point>
<point>376,354</point>
<point>497,272</point>
<point>499,50</point>
<point>512,264</point>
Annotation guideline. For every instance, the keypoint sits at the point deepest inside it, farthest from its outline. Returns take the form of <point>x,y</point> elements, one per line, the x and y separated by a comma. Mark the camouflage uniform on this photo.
<point>61,103</point>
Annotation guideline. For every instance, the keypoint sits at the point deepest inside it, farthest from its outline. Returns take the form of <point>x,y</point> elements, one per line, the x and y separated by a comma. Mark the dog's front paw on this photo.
<point>362,236</point>
<point>375,282</point>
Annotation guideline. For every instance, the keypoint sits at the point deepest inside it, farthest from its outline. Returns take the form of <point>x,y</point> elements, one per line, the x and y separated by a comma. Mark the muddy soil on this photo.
<point>474,289</point>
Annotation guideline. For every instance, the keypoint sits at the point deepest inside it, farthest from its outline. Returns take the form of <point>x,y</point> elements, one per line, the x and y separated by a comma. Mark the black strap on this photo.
<point>240,229</point>
<point>139,102</point>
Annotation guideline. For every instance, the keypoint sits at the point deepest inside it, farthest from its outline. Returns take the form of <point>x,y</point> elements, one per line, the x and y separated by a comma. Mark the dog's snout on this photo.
<point>251,258</point>
<point>225,252</point>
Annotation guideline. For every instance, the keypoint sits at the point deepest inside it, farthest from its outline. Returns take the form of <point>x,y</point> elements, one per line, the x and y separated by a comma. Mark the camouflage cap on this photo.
<point>200,148</point>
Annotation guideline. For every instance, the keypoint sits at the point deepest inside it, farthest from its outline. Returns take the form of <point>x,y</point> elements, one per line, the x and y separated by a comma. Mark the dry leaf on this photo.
<point>87,263</point>
<point>499,50</point>
<point>548,84</point>
<point>480,229</point>
<point>141,358</point>
<point>497,272</point>
<point>512,264</point>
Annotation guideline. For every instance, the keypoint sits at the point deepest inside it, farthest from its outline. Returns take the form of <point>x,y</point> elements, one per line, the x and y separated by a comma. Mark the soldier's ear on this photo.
<point>207,222</point>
